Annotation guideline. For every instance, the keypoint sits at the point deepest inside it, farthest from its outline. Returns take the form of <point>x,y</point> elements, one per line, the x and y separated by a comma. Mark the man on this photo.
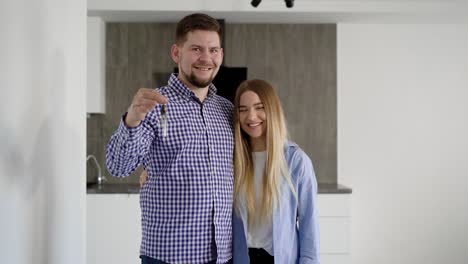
<point>182,133</point>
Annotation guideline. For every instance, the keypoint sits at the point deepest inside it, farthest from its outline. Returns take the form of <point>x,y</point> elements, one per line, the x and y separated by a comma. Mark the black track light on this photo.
<point>289,3</point>
<point>255,3</point>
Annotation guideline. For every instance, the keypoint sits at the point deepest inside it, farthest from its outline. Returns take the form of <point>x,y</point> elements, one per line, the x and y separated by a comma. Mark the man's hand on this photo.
<point>143,177</point>
<point>143,102</point>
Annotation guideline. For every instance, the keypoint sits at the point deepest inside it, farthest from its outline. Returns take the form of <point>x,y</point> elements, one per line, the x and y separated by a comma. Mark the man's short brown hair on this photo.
<point>194,22</point>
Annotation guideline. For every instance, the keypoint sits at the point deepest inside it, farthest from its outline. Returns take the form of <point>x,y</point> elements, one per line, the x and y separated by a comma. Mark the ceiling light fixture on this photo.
<point>255,3</point>
<point>289,3</point>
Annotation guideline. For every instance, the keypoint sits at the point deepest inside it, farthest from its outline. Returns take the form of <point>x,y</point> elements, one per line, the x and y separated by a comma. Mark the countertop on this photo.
<point>130,188</point>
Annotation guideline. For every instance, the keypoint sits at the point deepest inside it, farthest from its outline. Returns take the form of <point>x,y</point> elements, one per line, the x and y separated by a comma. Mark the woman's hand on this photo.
<point>143,177</point>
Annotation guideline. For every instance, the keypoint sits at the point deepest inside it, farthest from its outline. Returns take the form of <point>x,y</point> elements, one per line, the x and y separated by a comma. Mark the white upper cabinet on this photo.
<point>96,66</point>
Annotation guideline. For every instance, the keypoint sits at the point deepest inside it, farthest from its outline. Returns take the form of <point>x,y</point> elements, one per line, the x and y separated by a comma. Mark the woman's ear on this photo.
<point>175,53</point>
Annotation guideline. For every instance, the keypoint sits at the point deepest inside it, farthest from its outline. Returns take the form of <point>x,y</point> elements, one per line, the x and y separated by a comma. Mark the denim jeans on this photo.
<point>259,255</point>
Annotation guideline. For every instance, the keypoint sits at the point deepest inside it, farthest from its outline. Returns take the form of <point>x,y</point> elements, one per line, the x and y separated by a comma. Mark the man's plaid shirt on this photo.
<point>187,202</point>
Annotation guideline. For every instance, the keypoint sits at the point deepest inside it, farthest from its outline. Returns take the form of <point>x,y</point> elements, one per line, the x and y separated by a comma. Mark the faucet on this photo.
<point>100,178</point>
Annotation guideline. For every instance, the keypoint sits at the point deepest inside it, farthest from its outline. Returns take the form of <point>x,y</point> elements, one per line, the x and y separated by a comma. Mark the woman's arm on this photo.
<point>309,243</point>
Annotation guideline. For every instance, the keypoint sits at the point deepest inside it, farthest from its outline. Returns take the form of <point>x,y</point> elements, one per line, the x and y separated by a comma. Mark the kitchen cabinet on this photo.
<point>113,228</point>
<point>96,60</point>
<point>334,221</point>
<point>114,232</point>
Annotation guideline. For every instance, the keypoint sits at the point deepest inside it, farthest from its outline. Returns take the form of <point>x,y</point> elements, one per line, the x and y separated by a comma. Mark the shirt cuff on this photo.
<point>128,132</point>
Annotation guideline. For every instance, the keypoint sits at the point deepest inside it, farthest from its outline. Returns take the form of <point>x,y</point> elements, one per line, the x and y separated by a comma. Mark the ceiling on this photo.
<point>275,11</point>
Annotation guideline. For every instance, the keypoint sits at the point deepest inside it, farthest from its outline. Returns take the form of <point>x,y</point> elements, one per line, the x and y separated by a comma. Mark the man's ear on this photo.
<point>175,53</point>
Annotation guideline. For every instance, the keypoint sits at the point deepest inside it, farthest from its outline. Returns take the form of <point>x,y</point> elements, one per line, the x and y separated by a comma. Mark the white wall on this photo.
<point>403,141</point>
<point>42,131</point>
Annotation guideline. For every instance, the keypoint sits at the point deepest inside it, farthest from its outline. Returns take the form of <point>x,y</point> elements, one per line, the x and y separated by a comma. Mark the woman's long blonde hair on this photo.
<point>275,167</point>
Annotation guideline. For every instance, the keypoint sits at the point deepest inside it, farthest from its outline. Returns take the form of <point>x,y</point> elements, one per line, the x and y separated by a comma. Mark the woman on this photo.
<point>275,213</point>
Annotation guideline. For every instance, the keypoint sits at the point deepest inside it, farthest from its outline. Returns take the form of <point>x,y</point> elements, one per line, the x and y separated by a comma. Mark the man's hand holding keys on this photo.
<point>143,102</point>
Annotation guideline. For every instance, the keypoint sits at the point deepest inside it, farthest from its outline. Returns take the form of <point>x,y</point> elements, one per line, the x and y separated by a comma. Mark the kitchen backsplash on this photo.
<point>299,60</point>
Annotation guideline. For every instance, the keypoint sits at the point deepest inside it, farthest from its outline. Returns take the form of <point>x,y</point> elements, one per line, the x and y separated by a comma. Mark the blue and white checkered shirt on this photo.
<point>187,202</point>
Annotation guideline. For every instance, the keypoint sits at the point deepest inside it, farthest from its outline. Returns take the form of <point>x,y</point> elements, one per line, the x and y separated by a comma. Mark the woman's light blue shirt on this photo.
<point>295,222</point>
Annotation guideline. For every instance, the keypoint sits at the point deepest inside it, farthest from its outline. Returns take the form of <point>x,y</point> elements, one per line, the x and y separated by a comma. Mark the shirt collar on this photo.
<point>183,90</point>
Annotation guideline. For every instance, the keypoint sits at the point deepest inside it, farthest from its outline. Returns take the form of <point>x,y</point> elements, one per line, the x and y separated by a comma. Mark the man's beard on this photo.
<point>192,79</point>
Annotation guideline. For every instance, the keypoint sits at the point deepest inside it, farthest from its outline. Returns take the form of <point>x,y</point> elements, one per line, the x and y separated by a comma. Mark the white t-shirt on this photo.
<point>262,235</point>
